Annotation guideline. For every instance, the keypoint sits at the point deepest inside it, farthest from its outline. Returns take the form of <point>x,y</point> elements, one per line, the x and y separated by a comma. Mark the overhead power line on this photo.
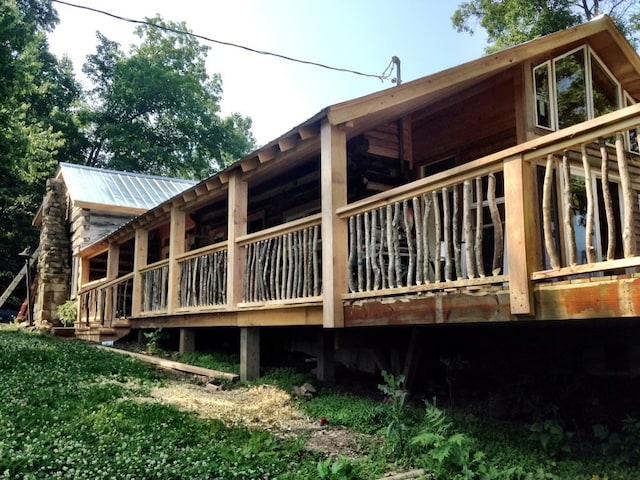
<point>386,74</point>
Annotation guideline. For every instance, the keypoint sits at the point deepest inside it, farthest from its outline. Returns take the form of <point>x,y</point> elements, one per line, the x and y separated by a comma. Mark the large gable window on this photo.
<point>572,88</point>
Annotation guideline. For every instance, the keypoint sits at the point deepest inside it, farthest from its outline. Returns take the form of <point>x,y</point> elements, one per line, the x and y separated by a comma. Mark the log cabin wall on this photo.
<point>479,121</point>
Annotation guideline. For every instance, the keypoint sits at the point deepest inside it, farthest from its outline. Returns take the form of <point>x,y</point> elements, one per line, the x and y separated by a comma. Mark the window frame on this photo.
<point>589,57</point>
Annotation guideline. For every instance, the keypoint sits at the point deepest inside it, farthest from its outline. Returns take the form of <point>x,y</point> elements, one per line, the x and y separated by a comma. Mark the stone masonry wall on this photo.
<point>53,262</point>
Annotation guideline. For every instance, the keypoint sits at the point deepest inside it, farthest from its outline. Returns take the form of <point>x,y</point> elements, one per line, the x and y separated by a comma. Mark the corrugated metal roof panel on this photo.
<point>119,189</point>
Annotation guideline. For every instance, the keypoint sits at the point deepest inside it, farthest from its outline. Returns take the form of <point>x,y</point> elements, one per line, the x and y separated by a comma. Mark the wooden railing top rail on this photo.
<point>117,280</point>
<point>92,285</point>
<point>278,230</point>
<point>154,265</point>
<point>600,127</point>
<point>103,283</point>
<point>214,247</point>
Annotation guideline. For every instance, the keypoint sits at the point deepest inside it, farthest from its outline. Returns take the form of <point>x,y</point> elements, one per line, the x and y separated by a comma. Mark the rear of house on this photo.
<point>502,190</point>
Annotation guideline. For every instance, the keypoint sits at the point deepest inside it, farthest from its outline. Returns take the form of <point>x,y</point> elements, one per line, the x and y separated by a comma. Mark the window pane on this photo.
<point>571,89</point>
<point>543,110</point>
<point>605,90</point>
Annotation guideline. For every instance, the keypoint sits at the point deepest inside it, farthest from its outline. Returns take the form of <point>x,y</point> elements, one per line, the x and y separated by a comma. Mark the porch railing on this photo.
<point>104,301</point>
<point>203,277</point>
<point>155,287</point>
<point>91,304</point>
<point>440,232</point>
<point>589,202</point>
<point>283,263</point>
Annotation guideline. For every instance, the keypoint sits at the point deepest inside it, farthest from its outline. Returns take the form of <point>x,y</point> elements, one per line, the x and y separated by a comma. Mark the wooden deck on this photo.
<point>473,244</point>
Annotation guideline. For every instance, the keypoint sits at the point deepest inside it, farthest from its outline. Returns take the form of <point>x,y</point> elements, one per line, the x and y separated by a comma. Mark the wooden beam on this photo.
<point>287,143</point>
<point>520,221</point>
<point>250,164</point>
<point>113,265</point>
<point>236,227</point>
<point>326,368</point>
<point>187,340</point>
<point>266,154</point>
<point>176,247</point>
<point>170,364</point>
<point>309,131</point>
<point>140,251</point>
<point>442,307</point>
<point>249,353</point>
<point>333,187</point>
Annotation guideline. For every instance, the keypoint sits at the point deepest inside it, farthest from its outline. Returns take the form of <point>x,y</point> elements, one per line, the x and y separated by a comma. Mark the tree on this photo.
<point>156,110</point>
<point>36,122</point>
<point>510,22</point>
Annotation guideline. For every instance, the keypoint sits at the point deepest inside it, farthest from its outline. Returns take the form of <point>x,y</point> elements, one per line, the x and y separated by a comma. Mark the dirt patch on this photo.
<point>261,407</point>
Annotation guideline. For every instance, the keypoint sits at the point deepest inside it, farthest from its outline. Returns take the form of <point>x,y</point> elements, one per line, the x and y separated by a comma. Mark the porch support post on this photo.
<point>176,247</point>
<point>113,265</point>
<point>249,353</point>
<point>187,340</point>
<point>520,219</point>
<point>139,261</point>
<point>326,371</point>
<point>333,188</point>
<point>236,226</point>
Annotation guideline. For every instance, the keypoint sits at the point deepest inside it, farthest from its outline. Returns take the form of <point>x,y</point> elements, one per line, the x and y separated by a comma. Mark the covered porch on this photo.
<point>544,230</point>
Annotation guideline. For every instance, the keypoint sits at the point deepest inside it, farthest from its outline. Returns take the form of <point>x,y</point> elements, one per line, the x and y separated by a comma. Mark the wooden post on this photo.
<point>139,261</point>
<point>333,187</point>
<point>236,226</point>
<point>176,247</point>
<point>249,353</point>
<point>326,371</point>
<point>520,232</point>
<point>187,340</point>
<point>113,265</point>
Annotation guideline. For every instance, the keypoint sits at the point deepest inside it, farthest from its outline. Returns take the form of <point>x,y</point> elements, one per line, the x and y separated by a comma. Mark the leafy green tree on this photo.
<point>156,110</point>
<point>510,22</point>
<point>37,127</point>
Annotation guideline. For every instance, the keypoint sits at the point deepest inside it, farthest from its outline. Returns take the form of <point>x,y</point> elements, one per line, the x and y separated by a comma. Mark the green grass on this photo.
<point>212,360</point>
<point>69,410</point>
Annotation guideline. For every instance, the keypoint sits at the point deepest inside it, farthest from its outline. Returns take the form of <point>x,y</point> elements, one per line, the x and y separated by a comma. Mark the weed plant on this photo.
<point>72,411</point>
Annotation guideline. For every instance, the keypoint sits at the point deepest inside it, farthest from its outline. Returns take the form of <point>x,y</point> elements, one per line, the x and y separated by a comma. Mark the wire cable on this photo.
<point>384,76</point>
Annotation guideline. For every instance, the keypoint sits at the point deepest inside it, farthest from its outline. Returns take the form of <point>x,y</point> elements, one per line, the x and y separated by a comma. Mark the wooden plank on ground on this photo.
<point>172,365</point>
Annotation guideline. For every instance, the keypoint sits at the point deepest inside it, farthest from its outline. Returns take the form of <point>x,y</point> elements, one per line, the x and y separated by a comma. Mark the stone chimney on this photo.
<point>54,271</point>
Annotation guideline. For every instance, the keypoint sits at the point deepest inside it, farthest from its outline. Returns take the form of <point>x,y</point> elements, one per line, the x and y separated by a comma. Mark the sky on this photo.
<point>277,94</point>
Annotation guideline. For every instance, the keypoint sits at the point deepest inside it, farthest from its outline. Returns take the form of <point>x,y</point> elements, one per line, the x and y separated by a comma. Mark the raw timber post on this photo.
<point>236,226</point>
<point>520,219</point>
<point>333,186</point>
<point>113,265</point>
<point>139,261</point>
<point>249,353</point>
<point>176,247</point>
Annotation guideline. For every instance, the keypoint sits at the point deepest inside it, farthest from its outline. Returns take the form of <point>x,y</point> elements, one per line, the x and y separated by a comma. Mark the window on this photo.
<point>542,82</point>
<point>572,88</point>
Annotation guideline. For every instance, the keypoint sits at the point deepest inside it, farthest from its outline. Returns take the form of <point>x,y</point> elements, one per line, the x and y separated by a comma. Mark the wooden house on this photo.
<point>505,189</point>
<point>83,204</point>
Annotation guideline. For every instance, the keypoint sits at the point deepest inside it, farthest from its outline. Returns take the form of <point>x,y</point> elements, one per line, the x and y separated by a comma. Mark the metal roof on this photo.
<point>119,189</point>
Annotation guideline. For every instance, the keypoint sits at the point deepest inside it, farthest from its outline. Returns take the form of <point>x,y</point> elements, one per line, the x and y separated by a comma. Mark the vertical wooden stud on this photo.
<point>176,247</point>
<point>236,226</point>
<point>333,186</point>
<point>187,340</point>
<point>139,261</point>
<point>519,217</point>
<point>249,353</point>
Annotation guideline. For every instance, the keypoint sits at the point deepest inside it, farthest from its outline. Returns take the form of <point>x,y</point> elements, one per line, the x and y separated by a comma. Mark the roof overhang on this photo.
<point>361,113</point>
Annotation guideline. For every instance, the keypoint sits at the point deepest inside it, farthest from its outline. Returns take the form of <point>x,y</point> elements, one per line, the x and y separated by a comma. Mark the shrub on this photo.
<point>67,313</point>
